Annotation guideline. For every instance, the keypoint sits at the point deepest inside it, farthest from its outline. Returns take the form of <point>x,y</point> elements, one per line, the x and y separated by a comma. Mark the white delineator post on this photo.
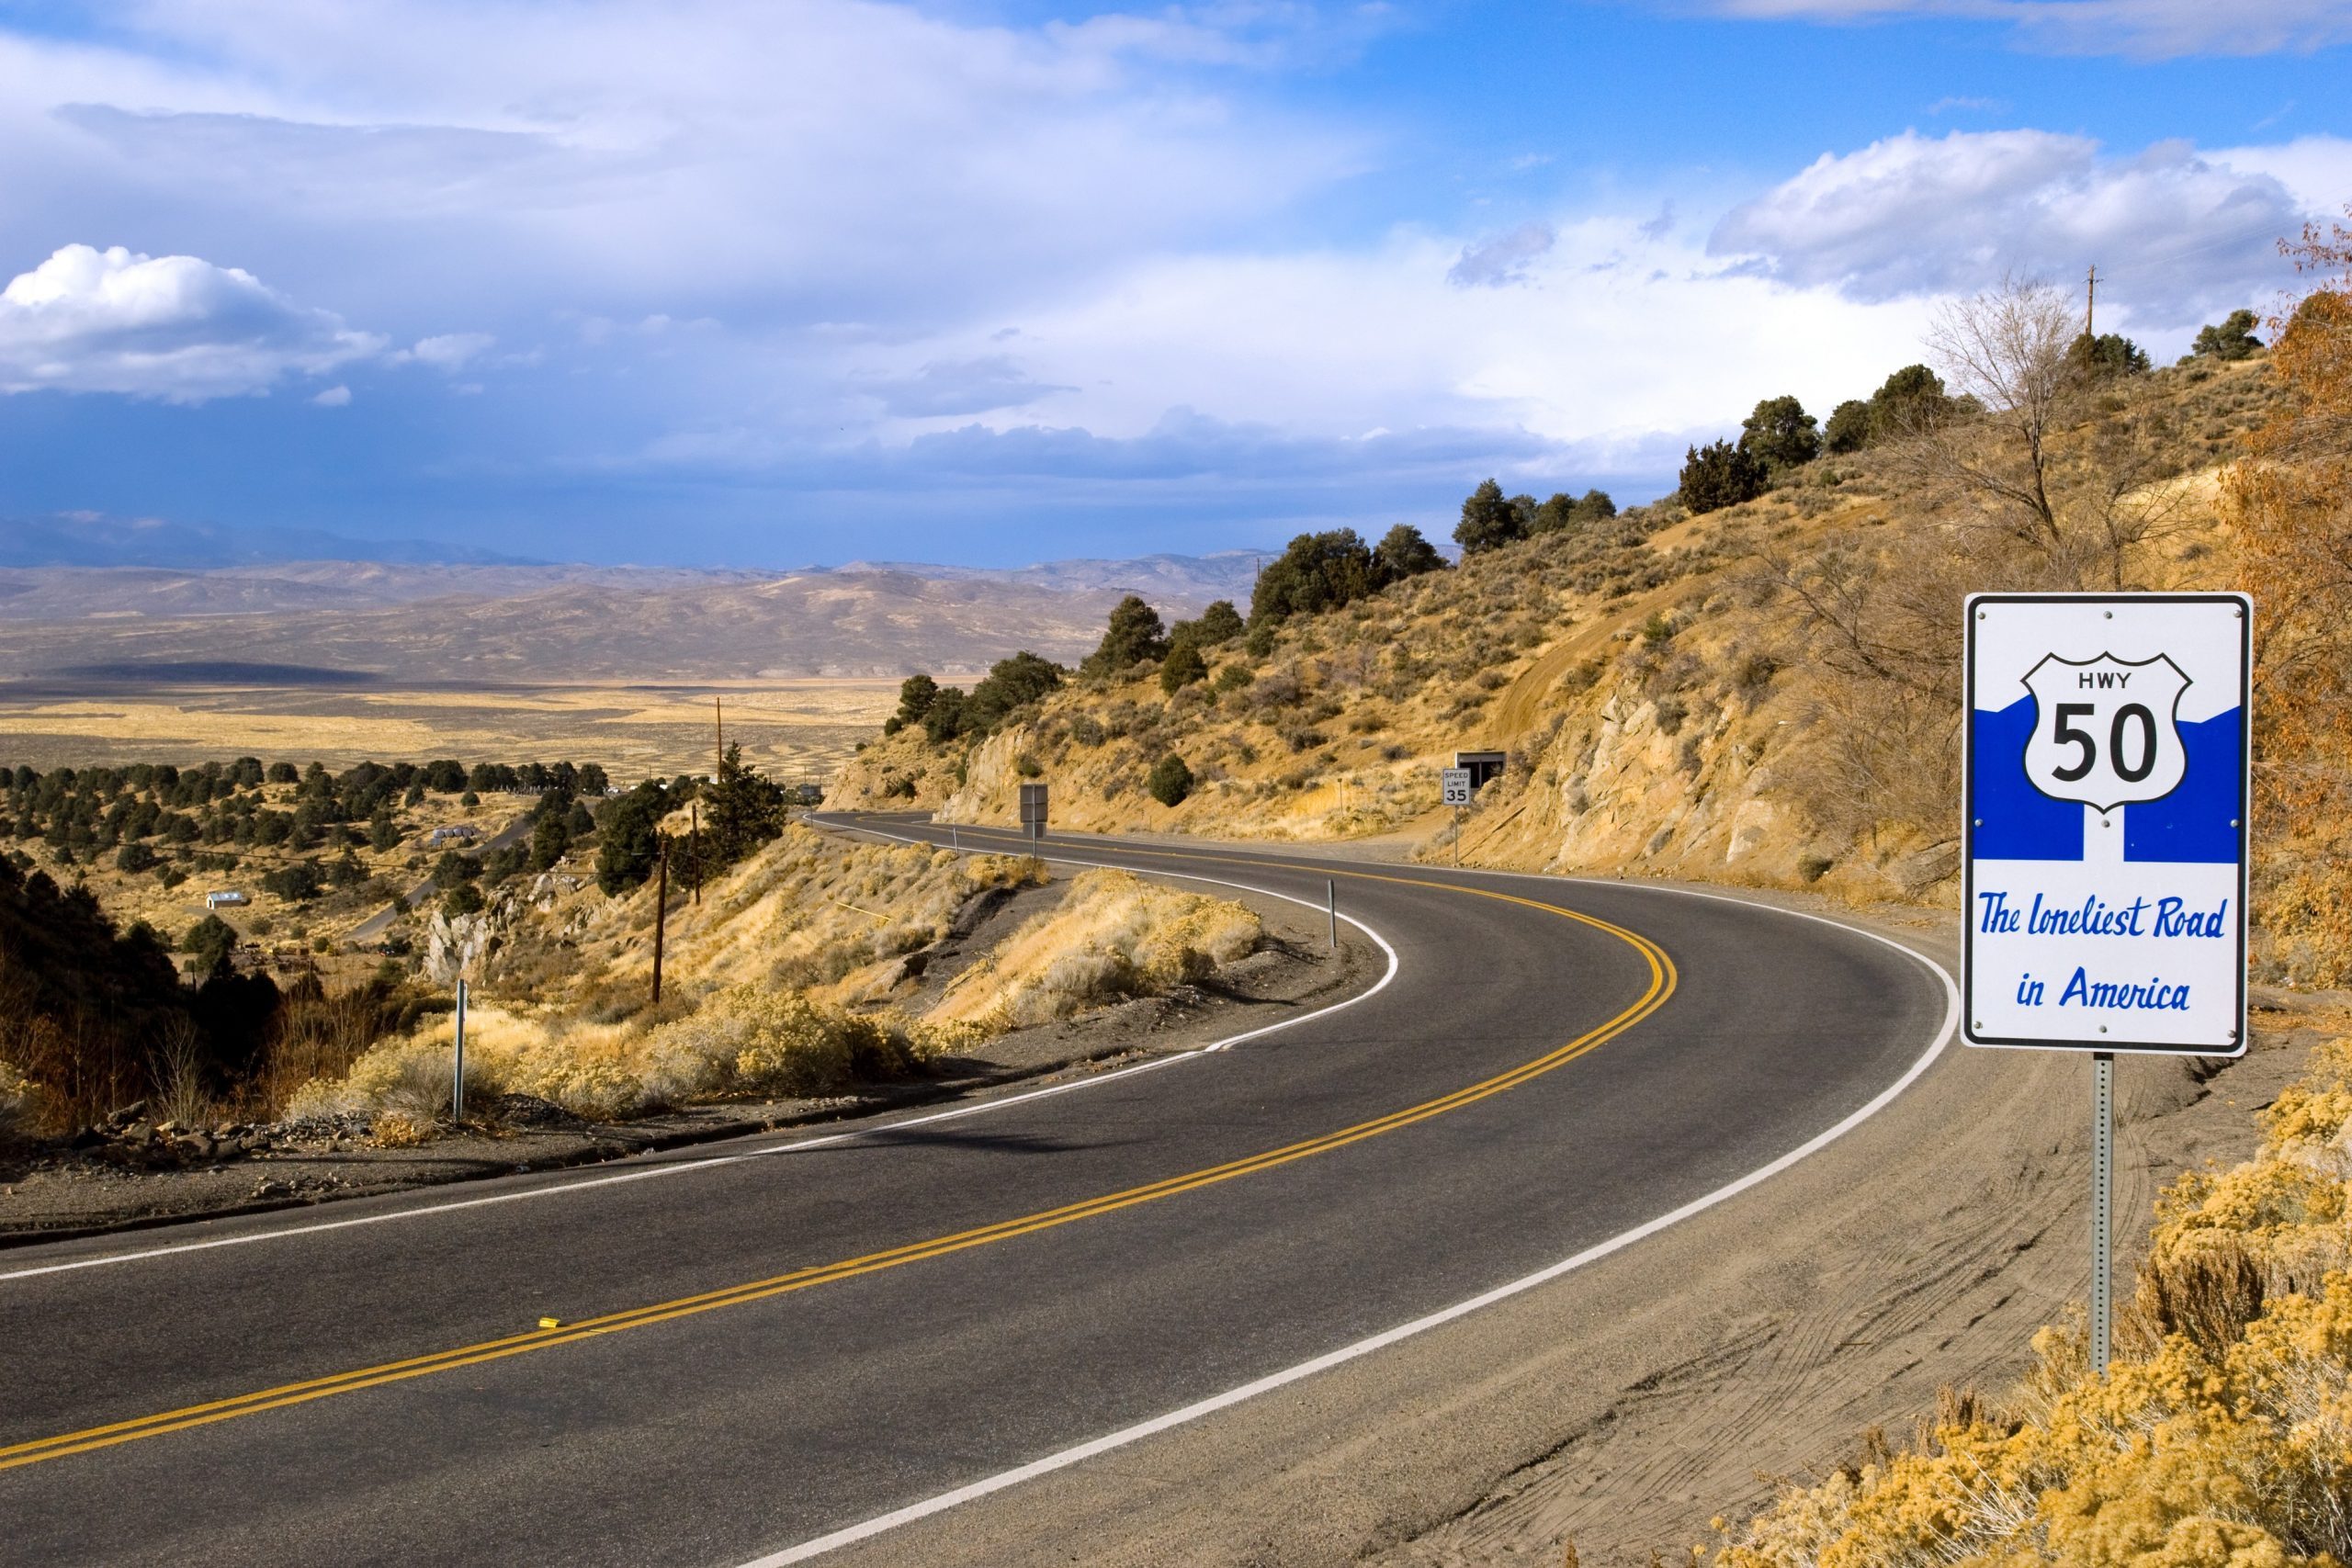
<point>457,1080</point>
<point>1331,895</point>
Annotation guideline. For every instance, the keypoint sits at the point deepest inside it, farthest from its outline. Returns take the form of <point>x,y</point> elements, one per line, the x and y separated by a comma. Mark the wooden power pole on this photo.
<point>2090,302</point>
<point>660,913</point>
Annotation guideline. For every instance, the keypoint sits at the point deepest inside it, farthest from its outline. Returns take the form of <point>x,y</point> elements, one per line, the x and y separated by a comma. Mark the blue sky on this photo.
<point>734,282</point>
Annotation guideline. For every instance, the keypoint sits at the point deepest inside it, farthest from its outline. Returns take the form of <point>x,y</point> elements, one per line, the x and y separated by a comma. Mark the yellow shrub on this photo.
<point>19,1104</point>
<point>2226,1444</point>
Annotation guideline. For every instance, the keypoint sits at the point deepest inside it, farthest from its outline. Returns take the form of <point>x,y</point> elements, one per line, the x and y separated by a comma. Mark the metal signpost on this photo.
<point>1032,810</point>
<point>2105,868</point>
<point>1455,782</point>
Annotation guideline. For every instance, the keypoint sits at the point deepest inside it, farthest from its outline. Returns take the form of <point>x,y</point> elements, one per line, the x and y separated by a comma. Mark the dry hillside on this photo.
<point>1666,687</point>
<point>816,961</point>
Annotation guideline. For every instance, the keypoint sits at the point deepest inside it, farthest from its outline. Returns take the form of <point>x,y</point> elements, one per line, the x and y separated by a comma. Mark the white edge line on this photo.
<point>686,1166</point>
<point>880,1523</point>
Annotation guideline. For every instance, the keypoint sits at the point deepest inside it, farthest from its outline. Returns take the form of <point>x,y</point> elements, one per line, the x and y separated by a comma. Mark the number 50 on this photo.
<point>2067,733</point>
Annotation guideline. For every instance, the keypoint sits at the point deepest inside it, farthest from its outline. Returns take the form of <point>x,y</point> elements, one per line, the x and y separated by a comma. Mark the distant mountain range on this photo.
<point>92,539</point>
<point>461,623</point>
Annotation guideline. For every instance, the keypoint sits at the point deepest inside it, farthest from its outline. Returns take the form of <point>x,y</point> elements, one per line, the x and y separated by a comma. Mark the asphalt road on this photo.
<point>379,922</point>
<point>767,1342</point>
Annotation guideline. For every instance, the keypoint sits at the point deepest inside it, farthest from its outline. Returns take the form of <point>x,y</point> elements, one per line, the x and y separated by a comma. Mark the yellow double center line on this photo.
<point>1661,986</point>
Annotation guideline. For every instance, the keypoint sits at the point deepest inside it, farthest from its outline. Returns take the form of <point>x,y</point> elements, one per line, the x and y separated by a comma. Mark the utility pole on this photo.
<point>660,914</point>
<point>693,847</point>
<point>718,739</point>
<point>2090,302</point>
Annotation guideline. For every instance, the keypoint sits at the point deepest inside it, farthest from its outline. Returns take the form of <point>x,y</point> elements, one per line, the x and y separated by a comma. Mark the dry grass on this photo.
<point>789,978</point>
<point>1114,935</point>
<point>2221,1434</point>
<point>792,729</point>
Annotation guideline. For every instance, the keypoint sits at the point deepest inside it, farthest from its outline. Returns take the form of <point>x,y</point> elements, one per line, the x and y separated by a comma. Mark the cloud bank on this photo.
<point>2181,233</point>
<point>2160,29</point>
<point>174,328</point>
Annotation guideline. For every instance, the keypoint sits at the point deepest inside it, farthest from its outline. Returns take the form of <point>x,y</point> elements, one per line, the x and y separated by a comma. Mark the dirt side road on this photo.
<point>1623,1404</point>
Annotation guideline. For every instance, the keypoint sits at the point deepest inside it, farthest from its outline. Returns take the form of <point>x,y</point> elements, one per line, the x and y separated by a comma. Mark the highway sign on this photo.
<point>1456,782</point>
<point>1032,810</point>
<point>2106,833</point>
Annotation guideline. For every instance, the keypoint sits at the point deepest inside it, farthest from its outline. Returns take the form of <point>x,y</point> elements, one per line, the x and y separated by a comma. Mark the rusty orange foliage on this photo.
<point>2290,501</point>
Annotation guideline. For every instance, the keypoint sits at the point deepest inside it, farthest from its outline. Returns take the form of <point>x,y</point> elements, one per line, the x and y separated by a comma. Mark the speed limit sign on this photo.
<point>2106,829</point>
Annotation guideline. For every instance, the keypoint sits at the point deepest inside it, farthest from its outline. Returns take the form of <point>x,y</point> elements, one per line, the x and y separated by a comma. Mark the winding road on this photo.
<point>841,1342</point>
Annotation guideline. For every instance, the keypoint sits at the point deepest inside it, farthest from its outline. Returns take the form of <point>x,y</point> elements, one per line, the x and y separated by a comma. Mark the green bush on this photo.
<point>1719,474</point>
<point>1170,781</point>
<point>1314,572</point>
<point>1182,667</point>
<point>2231,338</point>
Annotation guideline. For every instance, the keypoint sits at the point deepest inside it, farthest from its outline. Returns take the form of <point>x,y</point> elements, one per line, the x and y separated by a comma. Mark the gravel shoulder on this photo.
<point>55,1194</point>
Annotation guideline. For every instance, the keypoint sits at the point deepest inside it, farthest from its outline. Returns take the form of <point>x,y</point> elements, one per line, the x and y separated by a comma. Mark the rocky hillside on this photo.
<point>1750,693</point>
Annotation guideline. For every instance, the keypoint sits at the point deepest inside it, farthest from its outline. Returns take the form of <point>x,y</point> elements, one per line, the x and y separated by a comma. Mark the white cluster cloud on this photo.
<point>171,327</point>
<point>2141,29</point>
<point>447,351</point>
<point>2180,234</point>
<point>1587,362</point>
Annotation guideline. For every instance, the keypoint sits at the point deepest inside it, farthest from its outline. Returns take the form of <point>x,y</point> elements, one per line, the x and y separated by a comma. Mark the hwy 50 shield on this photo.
<point>2105,841</point>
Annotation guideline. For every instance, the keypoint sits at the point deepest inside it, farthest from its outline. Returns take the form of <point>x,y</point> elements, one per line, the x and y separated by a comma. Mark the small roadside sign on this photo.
<point>1456,782</point>
<point>1032,810</point>
<point>2105,840</point>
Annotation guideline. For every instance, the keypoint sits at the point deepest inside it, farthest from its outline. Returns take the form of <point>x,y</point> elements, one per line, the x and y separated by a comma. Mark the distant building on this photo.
<point>808,794</point>
<point>460,833</point>
<point>225,899</point>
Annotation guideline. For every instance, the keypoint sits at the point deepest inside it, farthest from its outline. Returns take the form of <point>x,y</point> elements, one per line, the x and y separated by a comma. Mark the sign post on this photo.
<point>1455,782</point>
<point>2105,866</point>
<point>1032,811</point>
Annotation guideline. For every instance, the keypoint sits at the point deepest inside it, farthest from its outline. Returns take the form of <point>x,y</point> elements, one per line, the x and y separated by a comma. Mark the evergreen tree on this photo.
<point>1403,552</point>
<point>745,810</point>
<point>628,839</point>
<point>210,942</point>
<point>1220,623</point>
<point>1909,403</point>
<point>1848,429</point>
<point>1316,572</point>
<point>550,836</point>
<point>1719,474</point>
<point>1780,434</point>
<point>1133,635</point>
<point>916,693</point>
<point>2107,357</point>
<point>2231,338</point>
<point>1488,520</point>
<point>944,720</point>
<point>1010,684</point>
